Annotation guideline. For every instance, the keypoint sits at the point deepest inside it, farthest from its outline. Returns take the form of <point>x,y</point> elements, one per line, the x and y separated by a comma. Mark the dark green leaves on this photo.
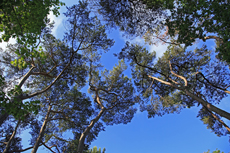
<point>17,20</point>
<point>16,107</point>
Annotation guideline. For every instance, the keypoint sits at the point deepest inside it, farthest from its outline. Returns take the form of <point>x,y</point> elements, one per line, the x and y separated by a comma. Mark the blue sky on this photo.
<point>173,133</point>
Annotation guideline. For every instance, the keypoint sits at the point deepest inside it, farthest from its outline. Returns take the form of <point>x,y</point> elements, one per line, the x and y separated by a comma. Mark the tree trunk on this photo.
<point>200,100</point>
<point>209,106</point>
<point>36,145</point>
<point>26,76</point>
<point>11,138</point>
<point>86,132</point>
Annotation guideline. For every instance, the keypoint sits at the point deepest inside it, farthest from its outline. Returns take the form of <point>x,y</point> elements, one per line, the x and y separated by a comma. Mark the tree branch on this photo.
<point>223,89</point>
<point>208,105</point>
<point>154,70</point>
<point>22,149</point>
<point>26,77</point>
<point>198,99</point>
<point>48,147</point>
<point>11,138</point>
<point>48,87</point>
<point>213,37</point>
<point>218,119</point>
<point>177,75</point>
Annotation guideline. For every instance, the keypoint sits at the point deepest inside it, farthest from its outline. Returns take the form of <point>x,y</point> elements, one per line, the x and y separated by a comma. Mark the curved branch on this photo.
<point>223,89</point>
<point>165,82</point>
<point>177,75</point>
<point>48,147</point>
<point>98,99</point>
<point>213,37</point>
<point>154,70</point>
<point>48,87</point>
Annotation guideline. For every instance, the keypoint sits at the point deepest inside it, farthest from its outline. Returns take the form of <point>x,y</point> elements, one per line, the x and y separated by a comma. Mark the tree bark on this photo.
<point>26,77</point>
<point>36,145</point>
<point>11,138</point>
<point>209,106</point>
<point>86,132</point>
<point>200,100</point>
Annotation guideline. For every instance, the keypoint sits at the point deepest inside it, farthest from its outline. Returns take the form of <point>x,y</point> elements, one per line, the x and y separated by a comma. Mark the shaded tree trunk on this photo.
<point>41,133</point>
<point>200,100</point>
<point>11,138</point>
<point>87,130</point>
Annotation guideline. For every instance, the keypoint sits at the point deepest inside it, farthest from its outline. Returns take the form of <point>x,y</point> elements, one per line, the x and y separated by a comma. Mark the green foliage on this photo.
<point>197,19</point>
<point>17,18</point>
<point>216,151</point>
<point>16,107</point>
<point>158,4</point>
<point>185,19</point>
<point>132,21</point>
<point>162,82</point>
<point>17,21</point>
<point>94,150</point>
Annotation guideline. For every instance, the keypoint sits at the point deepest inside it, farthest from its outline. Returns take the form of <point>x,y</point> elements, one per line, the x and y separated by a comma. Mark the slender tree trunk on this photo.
<point>26,76</point>
<point>86,132</point>
<point>42,130</point>
<point>11,138</point>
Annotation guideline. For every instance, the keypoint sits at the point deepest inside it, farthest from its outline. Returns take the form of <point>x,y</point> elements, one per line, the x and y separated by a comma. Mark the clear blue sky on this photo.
<point>173,133</point>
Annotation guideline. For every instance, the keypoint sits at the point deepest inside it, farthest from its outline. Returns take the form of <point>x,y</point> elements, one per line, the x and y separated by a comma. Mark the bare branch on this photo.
<point>26,77</point>
<point>177,75</point>
<point>90,126</point>
<point>166,41</point>
<point>48,147</point>
<point>22,149</point>
<point>165,82</point>
<point>223,89</point>
<point>98,99</point>
<point>213,37</point>
<point>48,87</point>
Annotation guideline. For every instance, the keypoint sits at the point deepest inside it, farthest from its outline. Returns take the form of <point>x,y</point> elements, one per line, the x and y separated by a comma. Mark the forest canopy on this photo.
<point>44,79</point>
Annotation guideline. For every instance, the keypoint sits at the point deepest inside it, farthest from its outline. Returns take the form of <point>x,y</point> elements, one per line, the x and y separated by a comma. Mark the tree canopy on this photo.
<point>188,20</point>
<point>180,79</point>
<point>44,79</point>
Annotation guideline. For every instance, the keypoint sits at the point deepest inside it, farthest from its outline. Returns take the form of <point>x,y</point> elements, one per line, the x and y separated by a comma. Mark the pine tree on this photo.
<point>179,79</point>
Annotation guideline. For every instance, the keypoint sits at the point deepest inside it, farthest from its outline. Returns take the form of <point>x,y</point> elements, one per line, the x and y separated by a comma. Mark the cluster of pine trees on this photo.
<point>42,77</point>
